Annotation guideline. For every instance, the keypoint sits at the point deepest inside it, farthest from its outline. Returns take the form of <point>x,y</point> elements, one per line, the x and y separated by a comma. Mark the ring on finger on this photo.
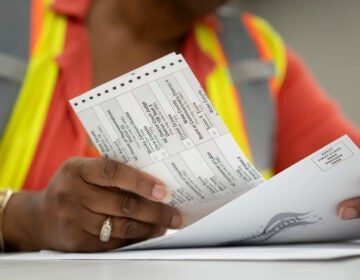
<point>106,228</point>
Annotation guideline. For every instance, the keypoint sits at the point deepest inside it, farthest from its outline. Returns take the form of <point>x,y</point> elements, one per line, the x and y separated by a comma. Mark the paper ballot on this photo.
<point>297,205</point>
<point>158,119</point>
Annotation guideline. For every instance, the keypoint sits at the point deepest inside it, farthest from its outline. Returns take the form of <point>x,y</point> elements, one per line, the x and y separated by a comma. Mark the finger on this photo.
<point>88,242</point>
<point>124,204</point>
<point>96,245</point>
<point>122,228</point>
<point>160,232</point>
<point>129,229</point>
<point>349,209</point>
<point>109,173</point>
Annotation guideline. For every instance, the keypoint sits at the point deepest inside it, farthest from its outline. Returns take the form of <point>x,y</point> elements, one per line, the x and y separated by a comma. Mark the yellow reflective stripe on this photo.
<point>19,142</point>
<point>267,173</point>
<point>219,82</point>
<point>208,42</point>
<point>276,48</point>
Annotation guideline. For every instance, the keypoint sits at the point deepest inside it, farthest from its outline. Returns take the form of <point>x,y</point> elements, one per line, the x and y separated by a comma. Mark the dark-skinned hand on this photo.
<point>69,213</point>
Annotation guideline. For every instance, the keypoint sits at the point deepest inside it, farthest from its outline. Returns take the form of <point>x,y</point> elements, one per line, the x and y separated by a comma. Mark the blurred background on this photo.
<point>326,33</point>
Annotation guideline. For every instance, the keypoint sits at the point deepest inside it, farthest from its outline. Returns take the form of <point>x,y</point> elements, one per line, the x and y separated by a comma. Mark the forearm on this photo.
<point>19,223</point>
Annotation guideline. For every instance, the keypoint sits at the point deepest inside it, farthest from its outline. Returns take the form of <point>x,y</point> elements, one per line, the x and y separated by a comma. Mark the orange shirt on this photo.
<point>306,118</point>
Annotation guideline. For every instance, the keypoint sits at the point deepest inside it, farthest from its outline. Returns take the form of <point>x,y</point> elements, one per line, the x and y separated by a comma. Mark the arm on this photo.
<point>69,213</point>
<point>307,118</point>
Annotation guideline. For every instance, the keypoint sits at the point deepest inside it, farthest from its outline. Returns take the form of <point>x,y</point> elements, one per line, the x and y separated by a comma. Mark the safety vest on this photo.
<point>248,70</point>
<point>22,133</point>
<point>250,65</point>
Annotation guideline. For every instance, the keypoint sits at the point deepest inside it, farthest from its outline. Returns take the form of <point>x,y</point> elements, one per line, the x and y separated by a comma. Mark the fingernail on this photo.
<point>160,193</point>
<point>176,221</point>
<point>348,213</point>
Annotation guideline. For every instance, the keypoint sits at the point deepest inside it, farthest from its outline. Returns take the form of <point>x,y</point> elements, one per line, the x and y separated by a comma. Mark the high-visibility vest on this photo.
<point>226,89</point>
<point>21,136</point>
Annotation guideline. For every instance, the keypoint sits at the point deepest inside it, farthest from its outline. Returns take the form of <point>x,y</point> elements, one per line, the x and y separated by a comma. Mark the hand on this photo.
<point>349,209</point>
<point>69,213</point>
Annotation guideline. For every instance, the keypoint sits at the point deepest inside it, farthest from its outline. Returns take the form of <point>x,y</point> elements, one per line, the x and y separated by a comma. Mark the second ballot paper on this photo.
<point>157,118</point>
<point>297,205</point>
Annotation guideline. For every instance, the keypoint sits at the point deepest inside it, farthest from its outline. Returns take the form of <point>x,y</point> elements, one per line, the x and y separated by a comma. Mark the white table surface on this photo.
<point>342,269</point>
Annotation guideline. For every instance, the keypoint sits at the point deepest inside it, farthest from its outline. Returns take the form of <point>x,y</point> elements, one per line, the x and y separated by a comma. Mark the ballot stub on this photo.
<point>158,119</point>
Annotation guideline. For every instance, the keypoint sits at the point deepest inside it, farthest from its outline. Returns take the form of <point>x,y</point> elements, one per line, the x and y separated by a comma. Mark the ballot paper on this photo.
<point>158,119</point>
<point>297,205</point>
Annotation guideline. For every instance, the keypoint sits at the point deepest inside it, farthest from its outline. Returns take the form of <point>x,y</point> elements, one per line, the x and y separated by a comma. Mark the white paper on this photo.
<point>158,119</point>
<point>323,251</point>
<point>297,205</point>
